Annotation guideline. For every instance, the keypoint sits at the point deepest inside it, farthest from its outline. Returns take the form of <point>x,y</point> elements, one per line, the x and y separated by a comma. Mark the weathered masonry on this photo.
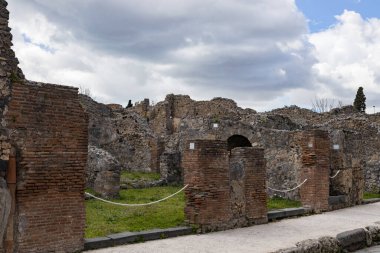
<point>227,189</point>
<point>48,129</point>
<point>315,146</point>
<point>43,137</point>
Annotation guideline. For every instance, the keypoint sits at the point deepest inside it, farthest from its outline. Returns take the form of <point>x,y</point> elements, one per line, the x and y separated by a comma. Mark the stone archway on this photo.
<point>238,141</point>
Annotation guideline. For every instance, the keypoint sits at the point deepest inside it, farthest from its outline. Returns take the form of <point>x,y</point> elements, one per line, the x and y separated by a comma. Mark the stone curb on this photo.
<point>287,213</point>
<point>133,237</point>
<point>348,241</point>
<point>370,201</point>
<point>155,234</point>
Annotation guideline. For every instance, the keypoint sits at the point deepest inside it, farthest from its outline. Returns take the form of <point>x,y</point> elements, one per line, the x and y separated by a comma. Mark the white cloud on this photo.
<point>250,51</point>
<point>348,56</point>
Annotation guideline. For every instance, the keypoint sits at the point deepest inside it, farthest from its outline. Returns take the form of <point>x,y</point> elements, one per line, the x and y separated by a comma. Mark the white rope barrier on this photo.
<point>335,175</point>
<point>285,191</point>
<point>144,204</point>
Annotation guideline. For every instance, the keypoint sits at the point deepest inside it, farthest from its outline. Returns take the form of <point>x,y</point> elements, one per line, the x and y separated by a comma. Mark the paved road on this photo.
<point>263,238</point>
<point>370,250</point>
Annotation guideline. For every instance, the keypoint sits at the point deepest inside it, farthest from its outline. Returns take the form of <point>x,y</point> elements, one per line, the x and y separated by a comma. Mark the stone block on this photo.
<point>97,243</point>
<point>353,239</point>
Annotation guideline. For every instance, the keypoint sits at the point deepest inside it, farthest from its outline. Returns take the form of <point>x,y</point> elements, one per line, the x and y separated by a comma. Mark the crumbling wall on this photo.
<point>170,168</point>
<point>48,128</point>
<point>225,190</point>
<point>9,72</point>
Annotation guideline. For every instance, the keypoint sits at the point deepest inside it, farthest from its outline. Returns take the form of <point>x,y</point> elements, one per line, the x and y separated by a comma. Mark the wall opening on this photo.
<point>238,141</point>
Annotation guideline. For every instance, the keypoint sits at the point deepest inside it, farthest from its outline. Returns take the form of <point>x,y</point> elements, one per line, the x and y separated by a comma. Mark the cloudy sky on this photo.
<point>263,54</point>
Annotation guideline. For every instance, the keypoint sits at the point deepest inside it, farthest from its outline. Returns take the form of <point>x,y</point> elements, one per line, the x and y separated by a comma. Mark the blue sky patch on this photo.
<point>321,13</point>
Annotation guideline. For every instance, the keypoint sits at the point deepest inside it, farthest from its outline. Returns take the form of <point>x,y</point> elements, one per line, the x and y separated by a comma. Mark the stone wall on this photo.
<point>5,207</point>
<point>170,168</point>
<point>48,129</point>
<point>8,72</point>
<point>103,173</point>
<point>225,191</point>
<point>123,133</point>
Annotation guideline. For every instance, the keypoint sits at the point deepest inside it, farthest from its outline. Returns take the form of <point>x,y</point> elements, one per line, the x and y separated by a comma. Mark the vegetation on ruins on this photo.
<point>85,91</point>
<point>280,203</point>
<point>359,102</point>
<point>371,195</point>
<point>321,105</point>
<point>136,175</point>
<point>129,104</point>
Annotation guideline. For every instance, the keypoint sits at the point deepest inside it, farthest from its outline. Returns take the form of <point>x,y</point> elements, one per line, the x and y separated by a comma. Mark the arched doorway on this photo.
<point>238,141</point>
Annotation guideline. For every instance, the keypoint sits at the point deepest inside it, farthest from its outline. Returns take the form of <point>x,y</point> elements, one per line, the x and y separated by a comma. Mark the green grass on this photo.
<point>147,176</point>
<point>371,195</point>
<point>103,219</point>
<point>280,203</point>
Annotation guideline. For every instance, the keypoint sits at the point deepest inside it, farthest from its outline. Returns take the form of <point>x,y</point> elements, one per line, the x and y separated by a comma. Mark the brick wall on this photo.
<point>315,156</point>
<point>49,130</point>
<point>225,191</point>
<point>247,165</point>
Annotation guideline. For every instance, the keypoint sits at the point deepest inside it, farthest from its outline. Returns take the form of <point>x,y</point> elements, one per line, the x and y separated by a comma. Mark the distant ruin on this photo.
<point>144,136</point>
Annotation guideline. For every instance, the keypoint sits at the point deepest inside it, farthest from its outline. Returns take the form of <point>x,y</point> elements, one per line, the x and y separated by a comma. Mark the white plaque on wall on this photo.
<point>215,125</point>
<point>336,147</point>
<point>310,145</point>
<point>192,145</point>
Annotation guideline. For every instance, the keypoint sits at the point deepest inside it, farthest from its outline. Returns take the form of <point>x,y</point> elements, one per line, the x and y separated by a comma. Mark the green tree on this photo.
<point>359,102</point>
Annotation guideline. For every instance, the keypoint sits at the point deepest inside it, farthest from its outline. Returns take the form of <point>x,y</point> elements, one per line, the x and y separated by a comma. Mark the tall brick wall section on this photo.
<point>315,152</point>
<point>207,174</point>
<point>348,164</point>
<point>49,130</point>
<point>225,190</point>
<point>248,165</point>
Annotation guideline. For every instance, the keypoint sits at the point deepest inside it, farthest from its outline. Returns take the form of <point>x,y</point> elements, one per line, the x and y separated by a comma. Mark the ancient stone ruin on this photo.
<point>154,137</point>
<point>54,143</point>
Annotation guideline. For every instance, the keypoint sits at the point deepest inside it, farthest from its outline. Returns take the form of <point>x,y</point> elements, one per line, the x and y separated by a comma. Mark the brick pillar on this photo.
<point>315,146</point>
<point>247,167</point>
<point>206,171</point>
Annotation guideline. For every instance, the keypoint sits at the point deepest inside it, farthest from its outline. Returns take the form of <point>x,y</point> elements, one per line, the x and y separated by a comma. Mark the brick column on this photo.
<point>315,146</point>
<point>206,171</point>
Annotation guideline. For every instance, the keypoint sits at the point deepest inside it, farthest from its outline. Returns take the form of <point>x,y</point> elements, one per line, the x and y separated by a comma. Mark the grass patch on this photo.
<point>146,176</point>
<point>104,219</point>
<point>280,203</point>
<point>371,195</point>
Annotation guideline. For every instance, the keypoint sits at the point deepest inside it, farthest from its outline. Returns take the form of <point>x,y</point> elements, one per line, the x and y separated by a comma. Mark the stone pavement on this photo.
<point>262,238</point>
<point>369,250</point>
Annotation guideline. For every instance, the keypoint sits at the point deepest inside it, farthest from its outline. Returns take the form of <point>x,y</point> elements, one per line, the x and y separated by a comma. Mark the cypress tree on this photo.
<point>359,102</point>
